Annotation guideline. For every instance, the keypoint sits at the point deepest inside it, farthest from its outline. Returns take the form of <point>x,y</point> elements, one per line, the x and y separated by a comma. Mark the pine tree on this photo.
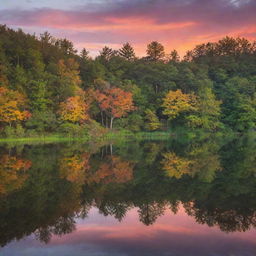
<point>174,56</point>
<point>155,51</point>
<point>84,54</point>
<point>127,52</point>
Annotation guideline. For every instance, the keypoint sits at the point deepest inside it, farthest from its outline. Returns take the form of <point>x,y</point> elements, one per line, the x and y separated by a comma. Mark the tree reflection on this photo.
<point>148,213</point>
<point>113,170</point>
<point>43,195</point>
<point>12,173</point>
<point>175,166</point>
<point>201,160</point>
<point>74,168</point>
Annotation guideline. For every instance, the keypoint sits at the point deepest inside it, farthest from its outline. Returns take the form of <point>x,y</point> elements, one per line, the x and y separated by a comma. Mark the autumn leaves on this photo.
<point>13,106</point>
<point>74,109</point>
<point>114,102</point>
<point>176,102</point>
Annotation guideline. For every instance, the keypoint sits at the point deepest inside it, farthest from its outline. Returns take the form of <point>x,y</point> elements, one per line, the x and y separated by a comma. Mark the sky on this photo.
<point>177,24</point>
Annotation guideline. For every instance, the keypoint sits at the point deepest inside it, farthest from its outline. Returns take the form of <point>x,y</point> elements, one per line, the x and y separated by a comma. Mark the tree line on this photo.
<point>46,86</point>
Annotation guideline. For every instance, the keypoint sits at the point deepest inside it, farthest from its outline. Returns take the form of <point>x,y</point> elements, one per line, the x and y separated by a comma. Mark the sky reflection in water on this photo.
<point>170,235</point>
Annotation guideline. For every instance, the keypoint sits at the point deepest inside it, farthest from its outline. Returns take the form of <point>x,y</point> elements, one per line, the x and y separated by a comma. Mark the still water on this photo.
<point>178,197</point>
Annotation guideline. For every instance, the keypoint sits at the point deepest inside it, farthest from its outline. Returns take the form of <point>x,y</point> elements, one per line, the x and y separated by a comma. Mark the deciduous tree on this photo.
<point>74,110</point>
<point>115,102</point>
<point>12,106</point>
<point>176,102</point>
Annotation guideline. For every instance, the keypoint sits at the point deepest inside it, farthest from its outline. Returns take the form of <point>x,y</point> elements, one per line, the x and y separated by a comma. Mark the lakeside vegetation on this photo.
<point>115,136</point>
<point>48,88</point>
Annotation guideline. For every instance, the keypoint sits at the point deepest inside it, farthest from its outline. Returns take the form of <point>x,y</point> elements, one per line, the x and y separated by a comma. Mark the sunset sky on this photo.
<point>178,24</point>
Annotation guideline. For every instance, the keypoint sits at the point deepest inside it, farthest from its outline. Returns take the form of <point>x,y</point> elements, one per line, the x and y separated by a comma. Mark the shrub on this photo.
<point>70,129</point>
<point>20,131</point>
<point>9,132</point>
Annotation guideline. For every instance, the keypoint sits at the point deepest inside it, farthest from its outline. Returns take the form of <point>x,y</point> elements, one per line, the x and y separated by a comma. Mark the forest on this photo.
<point>48,87</point>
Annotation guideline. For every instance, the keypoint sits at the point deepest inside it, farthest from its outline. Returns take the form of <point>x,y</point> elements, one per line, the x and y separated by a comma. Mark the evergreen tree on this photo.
<point>127,52</point>
<point>155,51</point>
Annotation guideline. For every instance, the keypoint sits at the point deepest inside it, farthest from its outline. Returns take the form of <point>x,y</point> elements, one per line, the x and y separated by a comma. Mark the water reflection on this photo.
<point>49,191</point>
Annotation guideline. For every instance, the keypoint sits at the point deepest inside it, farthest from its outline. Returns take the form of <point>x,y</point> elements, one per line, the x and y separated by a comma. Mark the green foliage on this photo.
<point>20,131</point>
<point>9,132</point>
<point>208,111</point>
<point>127,52</point>
<point>14,132</point>
<point>47,71</point>
<point>152,121</point>
<point>134,122</point>
<point>155,51</point>
<point>70,129</point>
<point>93,129</point>
<point>42,121</point>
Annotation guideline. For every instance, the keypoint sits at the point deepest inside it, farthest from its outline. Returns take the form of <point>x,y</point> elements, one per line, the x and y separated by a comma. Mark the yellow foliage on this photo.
<point>12,173</point>
<point>74,168</point>
<point>176,102</point>
<point>12,104</point>
<point>153,122</point>
<point>175,166</point>
<point>74,109</point>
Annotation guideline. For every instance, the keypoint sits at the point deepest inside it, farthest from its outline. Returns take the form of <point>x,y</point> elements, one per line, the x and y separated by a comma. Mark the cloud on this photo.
<point>179,24</point>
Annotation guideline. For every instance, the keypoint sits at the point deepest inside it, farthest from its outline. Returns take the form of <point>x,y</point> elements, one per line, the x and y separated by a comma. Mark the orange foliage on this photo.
<point>74,109</point>
<point>12,106</point>
<point>115,102</point>
<point>74,168</point>
<point>114,170</point>
<point>12,173</point>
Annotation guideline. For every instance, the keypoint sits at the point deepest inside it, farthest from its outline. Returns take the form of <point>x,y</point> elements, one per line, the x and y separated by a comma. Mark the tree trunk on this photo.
<point>111,122</point>
<point>111,149</point>
<point>102,118</point>
<point>156,88</point>
<point>106,120</point>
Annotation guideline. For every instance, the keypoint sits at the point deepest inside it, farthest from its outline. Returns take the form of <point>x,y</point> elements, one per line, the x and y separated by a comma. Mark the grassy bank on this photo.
<point>110,136</point>
<point>50,138</point>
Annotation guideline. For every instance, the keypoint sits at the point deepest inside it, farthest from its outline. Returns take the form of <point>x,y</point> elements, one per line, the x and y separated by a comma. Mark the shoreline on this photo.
<point>108,136</point>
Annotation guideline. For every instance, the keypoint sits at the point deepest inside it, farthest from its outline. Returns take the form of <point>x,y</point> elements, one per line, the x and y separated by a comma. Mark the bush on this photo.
<point>9,132</point>
<point>20,131</point>
<point>94,129</point>
<point>32,133</point>
<point>134,122</point>
<point>73,130</point>
<point>14,132</point>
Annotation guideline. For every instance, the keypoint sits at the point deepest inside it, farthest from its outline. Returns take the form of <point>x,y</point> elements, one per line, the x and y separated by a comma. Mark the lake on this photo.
<point>182,197</point>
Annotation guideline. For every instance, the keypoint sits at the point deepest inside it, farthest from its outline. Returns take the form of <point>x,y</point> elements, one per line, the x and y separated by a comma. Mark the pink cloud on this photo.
<point>177,24</point>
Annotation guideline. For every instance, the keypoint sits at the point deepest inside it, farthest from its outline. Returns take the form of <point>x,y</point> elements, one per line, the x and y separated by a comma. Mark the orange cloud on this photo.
<point>178,24</point>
